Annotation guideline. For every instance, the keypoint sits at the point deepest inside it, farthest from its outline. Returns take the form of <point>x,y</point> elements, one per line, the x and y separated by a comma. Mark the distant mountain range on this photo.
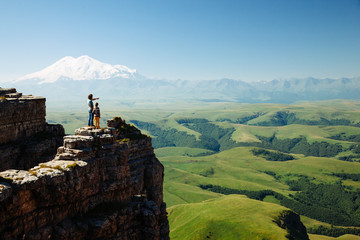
<point>70,80</point>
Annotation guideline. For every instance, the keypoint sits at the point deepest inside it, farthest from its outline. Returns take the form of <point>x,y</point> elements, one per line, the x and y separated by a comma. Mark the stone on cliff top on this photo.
<point>106,139</point>
<point>90,131</point>
<point>64,165</point>
<point>124,130</point>
<point>4,91</point>
<point>13,95</point>
<point>5,191</point>
<point>18,176</point>
<point>74,154</point>
<point>78,142</point>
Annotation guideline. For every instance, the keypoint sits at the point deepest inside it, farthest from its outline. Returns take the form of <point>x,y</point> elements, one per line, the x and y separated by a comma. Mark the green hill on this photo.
<point>238,168</point>
<point>307,158</point>
<point>232,217</point>
<point>343,237</point>
<point>228,217</point>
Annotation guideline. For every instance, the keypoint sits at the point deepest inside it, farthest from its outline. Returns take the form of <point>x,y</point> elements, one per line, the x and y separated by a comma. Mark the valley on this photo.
<point>243,160</point>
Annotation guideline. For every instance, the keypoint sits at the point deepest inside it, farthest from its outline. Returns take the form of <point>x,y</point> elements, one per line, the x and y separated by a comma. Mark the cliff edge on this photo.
<point>25,137</point>
<point>102,184</point>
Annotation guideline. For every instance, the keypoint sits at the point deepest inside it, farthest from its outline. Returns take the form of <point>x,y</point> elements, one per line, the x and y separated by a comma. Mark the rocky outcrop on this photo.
<point>25,137</point>
<point>20,116</point>
<point>102,184</point>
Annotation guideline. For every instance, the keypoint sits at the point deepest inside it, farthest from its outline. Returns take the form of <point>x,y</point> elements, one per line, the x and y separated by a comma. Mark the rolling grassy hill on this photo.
<point>343,237</point>
<point>207,151</point>
<point>228,217</point>
<point>232,217</point>
<point>238,168</point>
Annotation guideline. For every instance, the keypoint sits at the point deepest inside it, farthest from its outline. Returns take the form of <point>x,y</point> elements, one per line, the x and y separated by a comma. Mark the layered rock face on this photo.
<point>102,184</point>
<point>20,116</point>
<point>25,137</point>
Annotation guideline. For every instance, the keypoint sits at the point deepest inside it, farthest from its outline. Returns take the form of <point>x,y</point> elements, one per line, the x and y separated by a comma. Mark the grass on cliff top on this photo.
<point>227,217</point>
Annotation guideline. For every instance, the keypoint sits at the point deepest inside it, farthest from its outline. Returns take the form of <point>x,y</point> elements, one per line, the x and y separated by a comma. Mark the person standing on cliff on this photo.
<point>91,108</point>
<point>96,113</point>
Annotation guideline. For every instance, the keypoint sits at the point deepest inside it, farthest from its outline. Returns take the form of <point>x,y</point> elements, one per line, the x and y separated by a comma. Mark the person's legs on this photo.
<point>97,122</point>
<point>92,119</point>
<point>90,116</point>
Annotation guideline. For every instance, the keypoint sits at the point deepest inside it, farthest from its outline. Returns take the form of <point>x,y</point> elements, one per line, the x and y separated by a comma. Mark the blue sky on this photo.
<point>204,39</point>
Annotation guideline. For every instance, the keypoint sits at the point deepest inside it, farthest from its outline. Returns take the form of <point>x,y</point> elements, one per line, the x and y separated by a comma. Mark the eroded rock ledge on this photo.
<point>102,184</point>
<point>25,137</point>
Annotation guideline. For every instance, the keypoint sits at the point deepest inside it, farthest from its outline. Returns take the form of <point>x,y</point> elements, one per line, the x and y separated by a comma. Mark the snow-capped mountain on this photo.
<point>81,68</point>
<point>68,82</point>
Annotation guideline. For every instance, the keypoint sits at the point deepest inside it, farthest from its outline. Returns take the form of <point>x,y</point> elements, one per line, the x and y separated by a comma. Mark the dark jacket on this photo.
<point>96,112</point>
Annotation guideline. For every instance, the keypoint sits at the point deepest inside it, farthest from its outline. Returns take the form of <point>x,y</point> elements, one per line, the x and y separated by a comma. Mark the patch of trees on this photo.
<point>280,118</point>
<point>242,120</point>
<point>273,174</point>
<point>209,129</point>
<point>350,158</point>
<point>213,137</point>
<point>214,133</point>
<point>301,146</point>
<point>257,195</point>
<point>192,120</point>
<point>272,156</point>
<point>345,176</point>
<point>172,137</point>
<point>318,149</point>
<point>207,172</point>
<point>330,203</point>
<point>355,148</point>
<point>283,118</point>
<point>290,221</point>
<point>342,136</point>
<point>333,231</point>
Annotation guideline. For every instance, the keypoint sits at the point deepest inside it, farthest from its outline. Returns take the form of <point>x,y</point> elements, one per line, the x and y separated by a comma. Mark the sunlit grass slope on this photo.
<point>343,237</point>
<point>311,223</point>
<point>248,133</point>
<point>228,217</point>
<point>181,151</point>
<point>238,168</point>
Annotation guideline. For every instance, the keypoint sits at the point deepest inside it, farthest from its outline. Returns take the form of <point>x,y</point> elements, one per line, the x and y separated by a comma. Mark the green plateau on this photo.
<point>231,169</point>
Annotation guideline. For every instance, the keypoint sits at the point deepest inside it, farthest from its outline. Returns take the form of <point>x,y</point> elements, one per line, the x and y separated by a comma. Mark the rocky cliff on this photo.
<point>25,137</point>
<point>102,184</point>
